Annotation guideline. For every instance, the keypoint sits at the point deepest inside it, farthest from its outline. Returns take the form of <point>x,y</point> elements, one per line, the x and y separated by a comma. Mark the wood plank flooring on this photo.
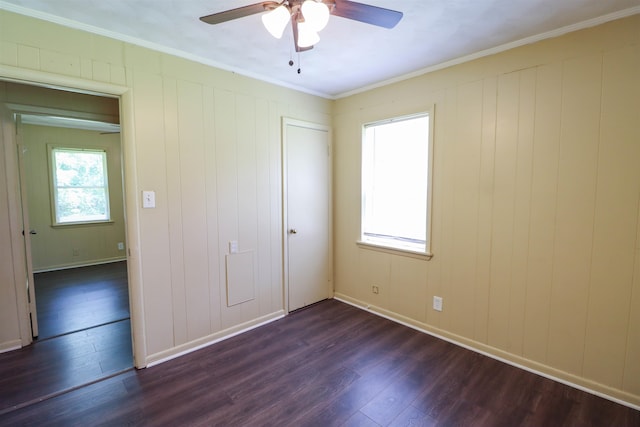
<point>79,298</point>
<point>328,365</point>
<point>87,309</point>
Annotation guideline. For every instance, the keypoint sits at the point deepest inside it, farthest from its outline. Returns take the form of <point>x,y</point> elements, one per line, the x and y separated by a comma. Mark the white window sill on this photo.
<point>82,223</point>
<point>394,250</point>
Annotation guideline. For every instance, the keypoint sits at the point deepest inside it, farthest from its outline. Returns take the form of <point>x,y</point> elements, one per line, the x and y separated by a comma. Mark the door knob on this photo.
<point>293,231</point>
<point>33,232</point>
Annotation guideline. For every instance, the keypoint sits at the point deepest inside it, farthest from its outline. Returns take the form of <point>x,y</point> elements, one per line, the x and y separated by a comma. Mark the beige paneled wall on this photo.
<point>535,209</point>
<point>208,143</point>
<point>68,246</point>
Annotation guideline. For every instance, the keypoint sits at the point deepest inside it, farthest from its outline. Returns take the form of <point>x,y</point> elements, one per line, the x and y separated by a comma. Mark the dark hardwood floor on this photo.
<point>80,298</point>
<point>85,335</point>
<point>327,365</point>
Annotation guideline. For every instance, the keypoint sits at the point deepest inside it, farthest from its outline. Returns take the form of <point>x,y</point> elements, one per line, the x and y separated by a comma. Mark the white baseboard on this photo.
<point>80,264</point>
<point>186,348</point>
<point>592,387</point>
<point>10,346</point>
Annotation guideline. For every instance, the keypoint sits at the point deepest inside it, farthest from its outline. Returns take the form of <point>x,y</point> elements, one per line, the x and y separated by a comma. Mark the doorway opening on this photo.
<point>77,278</point>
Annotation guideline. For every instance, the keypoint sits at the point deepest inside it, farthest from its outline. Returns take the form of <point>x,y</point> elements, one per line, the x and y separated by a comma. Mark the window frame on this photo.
<point>390,245</point>
<point>53,187</point>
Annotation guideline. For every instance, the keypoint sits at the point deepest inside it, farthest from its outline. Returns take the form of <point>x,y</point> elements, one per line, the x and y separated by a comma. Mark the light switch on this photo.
<point>148,199</point>
<point>233,247</point>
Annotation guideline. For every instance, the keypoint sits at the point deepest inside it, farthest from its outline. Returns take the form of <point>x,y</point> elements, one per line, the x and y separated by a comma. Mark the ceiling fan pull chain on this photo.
<point>299,64</point>
<point>290,43</point>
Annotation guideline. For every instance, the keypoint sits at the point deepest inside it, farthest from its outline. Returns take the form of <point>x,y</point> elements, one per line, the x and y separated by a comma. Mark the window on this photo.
<point>396,184</point>
<point>79,185</point>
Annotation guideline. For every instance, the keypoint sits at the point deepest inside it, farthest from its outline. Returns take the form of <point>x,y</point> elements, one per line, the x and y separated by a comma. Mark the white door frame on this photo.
<point>125,95</point>
<point>18,248</point>
<point>26,229</point>
<point>286,121</point>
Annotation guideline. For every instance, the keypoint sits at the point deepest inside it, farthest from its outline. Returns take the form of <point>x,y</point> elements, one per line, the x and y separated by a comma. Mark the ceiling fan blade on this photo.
<point>373,15</point>
<point>240,12</point>
<point>294,26</point>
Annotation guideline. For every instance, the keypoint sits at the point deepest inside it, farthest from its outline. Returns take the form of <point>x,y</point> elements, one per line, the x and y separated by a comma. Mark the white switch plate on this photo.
<point>233,247</point>
<point>148,199</point>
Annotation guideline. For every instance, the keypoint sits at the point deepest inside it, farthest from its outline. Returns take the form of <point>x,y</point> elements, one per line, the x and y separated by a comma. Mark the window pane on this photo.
<point>80,186</point>
<point>82,204</point>
<point>79,169</point>
<point>395,181</point>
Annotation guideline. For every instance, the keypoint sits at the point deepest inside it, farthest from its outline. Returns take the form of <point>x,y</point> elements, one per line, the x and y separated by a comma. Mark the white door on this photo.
<point>307,220</point>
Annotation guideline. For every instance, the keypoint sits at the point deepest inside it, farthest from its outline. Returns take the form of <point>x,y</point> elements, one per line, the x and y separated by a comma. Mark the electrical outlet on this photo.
<point>375,289</point>
<point>76,252</point>
<point>437,303</point>
<point>120,246</point>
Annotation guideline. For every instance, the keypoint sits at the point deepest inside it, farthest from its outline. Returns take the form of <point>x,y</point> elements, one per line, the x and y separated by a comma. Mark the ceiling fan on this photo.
<point>307,17</point>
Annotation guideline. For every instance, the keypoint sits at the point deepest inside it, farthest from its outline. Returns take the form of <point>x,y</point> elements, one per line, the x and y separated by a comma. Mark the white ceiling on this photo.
<point>350,56</point>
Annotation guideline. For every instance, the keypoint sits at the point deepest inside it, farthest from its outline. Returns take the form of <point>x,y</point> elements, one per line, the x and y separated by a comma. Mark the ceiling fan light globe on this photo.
<point>306,35</point>
<point>316,14</point>
<point>276,21</point>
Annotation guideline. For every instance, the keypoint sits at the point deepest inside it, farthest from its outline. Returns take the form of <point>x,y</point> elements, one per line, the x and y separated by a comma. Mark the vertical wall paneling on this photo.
<point>174,207</point>
<point>226,176</point>
<point>348,229</point>
<point>211,185</point>
<point>467,144</point>
<point>503,209</point>
<point>617,189</point>
<point>579,134</point>
<point>276,112</point>
<point>263,192</point>
<point>543,210</point>
<point>485,209</point>
<point>631,378</point>
<point>247,164</point>
<point>194,207</point>
<point>375,270</point>
<point>444,172</point>
<point>155,253</point>
<point>246,173</point>
<point>408,276</point>
<point>522,209</point>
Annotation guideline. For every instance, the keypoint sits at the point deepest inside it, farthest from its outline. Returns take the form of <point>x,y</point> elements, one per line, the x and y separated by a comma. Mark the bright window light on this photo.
<point>80,185</point>
<point>396,183</point>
